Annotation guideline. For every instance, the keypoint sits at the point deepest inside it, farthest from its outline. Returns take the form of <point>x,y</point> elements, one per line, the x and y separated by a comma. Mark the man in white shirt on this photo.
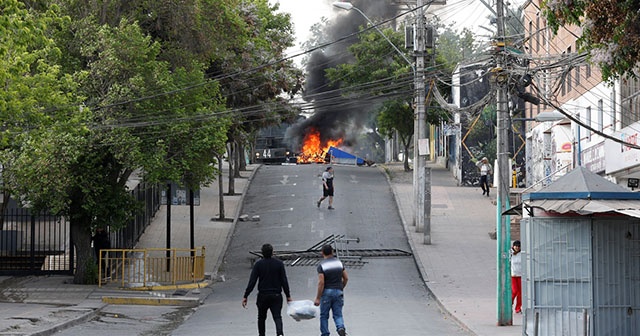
<point>327,187</point>
<point>485,171</point>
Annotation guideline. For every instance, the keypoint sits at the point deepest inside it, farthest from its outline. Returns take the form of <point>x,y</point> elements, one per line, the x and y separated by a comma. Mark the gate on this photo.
<point>34,243</point>
<point>616,260</point>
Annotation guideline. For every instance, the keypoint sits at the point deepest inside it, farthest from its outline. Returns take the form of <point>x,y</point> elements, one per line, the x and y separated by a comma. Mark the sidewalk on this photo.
<point>459,267</point>
<point>44,305</point>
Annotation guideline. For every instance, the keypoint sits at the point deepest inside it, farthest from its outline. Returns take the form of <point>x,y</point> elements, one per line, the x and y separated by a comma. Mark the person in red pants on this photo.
<point>516,276</point>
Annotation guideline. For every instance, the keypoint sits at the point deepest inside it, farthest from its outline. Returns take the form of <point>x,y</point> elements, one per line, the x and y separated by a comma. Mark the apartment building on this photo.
<point>602,112</point>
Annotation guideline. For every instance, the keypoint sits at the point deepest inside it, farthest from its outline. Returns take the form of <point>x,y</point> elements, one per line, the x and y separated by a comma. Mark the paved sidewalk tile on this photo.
<point>460,264</point>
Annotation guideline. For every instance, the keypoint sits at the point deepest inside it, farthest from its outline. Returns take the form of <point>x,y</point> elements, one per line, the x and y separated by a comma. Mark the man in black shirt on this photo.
<point>272,280</point>
<point>332,278</point>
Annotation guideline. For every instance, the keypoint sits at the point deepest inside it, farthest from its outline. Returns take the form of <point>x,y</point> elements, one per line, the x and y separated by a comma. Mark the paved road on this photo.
<point>385,295</point>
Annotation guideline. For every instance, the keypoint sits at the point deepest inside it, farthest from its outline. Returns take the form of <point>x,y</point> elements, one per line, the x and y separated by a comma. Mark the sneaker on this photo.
<point>331,208</point>
<point>342,332</point>
<point>318,203</point>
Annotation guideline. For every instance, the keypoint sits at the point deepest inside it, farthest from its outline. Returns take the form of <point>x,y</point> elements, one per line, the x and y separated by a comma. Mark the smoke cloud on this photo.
<point>335,116</point>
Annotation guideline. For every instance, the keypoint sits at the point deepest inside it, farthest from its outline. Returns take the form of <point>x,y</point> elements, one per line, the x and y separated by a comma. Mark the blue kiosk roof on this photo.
<point>581,183</point>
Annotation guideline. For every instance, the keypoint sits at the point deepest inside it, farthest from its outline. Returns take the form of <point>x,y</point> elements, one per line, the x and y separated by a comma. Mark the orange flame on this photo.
<point>312,148</point>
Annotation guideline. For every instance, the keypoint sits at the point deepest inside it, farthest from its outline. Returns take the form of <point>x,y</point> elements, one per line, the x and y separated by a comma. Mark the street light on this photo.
<point>420,128</point>
<point>544,117</point>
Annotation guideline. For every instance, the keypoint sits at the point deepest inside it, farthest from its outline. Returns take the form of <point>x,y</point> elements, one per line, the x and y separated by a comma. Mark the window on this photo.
<point>577,69</point>
<point>587,122</point>
<point>531,32</point>
<point>614,117</point>
<point>588,70</point>
<point>569,76</point>
<point>630,104</point>
<point>564,80</point>
<point>600,116</point>
<point>538,32</point>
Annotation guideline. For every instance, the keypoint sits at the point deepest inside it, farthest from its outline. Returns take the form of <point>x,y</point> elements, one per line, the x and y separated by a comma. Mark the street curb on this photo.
<point>227,240</point>
<point>70,323</point>
<point>416,257</point>
<point>195,285</point>
<point>152,301</point>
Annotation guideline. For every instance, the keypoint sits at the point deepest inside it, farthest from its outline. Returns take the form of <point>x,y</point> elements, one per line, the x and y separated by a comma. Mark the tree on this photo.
<point>36,94</point>
<point>610,31</point>
<point>143,114</point>
<point>397,116</point>
<point>258,78</point>
<point>378,70</point>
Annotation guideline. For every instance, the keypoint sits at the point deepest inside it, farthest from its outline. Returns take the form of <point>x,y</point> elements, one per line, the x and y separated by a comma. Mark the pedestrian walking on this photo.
<point>271,277</point>
<point>516,276</point>
<point>332,279</point>
<point>485,172</point>
<point>327,187</point>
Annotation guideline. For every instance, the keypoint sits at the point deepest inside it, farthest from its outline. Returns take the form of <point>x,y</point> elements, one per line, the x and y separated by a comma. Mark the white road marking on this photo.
<point>279,210</point>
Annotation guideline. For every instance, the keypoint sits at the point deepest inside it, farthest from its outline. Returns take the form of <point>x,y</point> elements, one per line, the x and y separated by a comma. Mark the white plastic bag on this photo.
<point>302,310</point>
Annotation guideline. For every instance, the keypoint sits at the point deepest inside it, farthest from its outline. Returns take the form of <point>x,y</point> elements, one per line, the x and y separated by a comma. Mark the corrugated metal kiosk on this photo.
<point>581,258</point>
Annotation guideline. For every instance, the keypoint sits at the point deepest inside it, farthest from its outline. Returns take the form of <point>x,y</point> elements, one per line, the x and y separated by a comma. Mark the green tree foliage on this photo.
<point>378,70</point>
<point>260,78</point>
<point>610,31</point>
<point>397,116</point>
<point>36,95</point>
<point>454,47</point>
<point>142,114</point>
<point>99,92</point>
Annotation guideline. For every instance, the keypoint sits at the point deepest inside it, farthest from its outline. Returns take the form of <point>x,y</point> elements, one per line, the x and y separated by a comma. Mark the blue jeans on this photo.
<point>332,299</point>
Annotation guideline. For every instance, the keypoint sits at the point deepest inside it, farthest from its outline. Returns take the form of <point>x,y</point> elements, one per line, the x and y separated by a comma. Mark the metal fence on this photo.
<point>144,268</point>
<point>35,244</point>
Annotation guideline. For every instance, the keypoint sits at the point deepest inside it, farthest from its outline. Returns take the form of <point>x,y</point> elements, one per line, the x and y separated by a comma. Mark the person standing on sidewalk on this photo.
<point>485,171</point>
<point>516,276</point>
<point>327,187</point>
<point>271,276</point>
<point>332,279</point>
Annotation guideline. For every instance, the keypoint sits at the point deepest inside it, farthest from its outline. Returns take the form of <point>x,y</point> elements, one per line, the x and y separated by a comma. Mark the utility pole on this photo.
<point>420,126</point>
<point>503,223</point>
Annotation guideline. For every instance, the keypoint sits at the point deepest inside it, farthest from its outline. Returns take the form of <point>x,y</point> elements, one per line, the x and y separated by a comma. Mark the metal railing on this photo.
<point>144,268</point>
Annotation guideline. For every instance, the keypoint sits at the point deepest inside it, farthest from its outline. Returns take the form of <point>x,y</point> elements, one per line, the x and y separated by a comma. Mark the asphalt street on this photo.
<point>385,295</point>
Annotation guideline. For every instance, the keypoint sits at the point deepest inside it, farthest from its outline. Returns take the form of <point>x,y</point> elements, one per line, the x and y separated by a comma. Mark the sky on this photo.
<point>465,13</point>
<point>347,121</point>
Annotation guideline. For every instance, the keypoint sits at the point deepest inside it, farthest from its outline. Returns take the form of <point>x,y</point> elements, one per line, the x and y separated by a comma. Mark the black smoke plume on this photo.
<point>335,116</point>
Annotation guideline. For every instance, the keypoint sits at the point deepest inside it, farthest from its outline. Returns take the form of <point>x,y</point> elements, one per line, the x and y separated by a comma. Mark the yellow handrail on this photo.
<point>149,267</point>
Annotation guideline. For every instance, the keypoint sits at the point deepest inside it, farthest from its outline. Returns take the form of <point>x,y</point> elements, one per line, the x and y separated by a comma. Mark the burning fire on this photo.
<point>312,148</point>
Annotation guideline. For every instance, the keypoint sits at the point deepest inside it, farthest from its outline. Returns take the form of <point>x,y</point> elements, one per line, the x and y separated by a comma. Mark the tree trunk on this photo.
<point>231,157</point>
<point>242,162</point>
<point>81,238</point>
<point>236,165</point>
<point>406,157</point>
<point>221,215</point>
